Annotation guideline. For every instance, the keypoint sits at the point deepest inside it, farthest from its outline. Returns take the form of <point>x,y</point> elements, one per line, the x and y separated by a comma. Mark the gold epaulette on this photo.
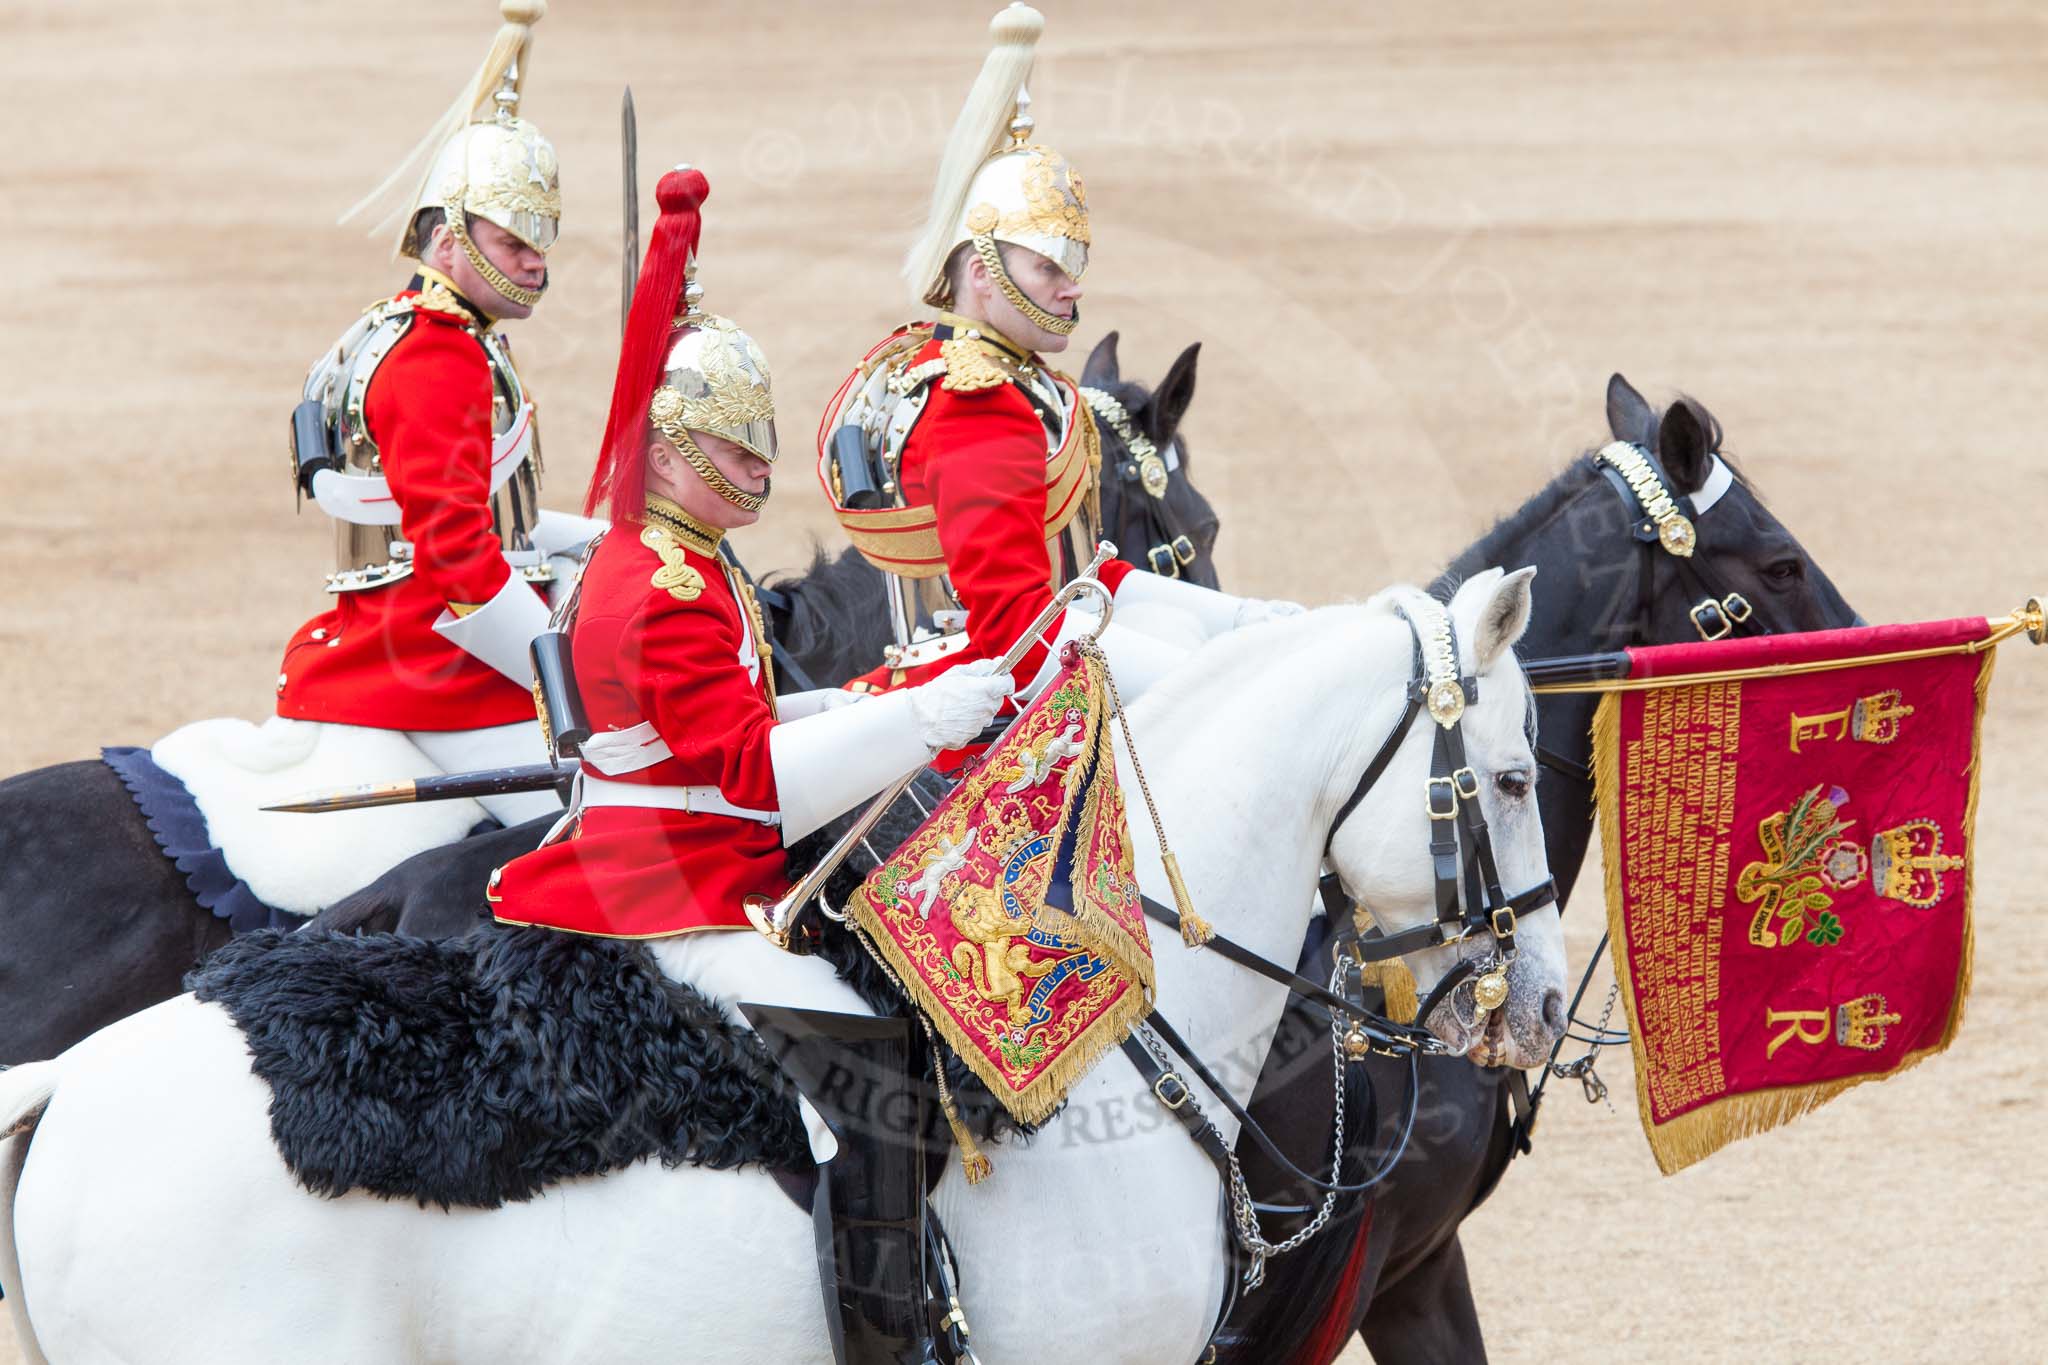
<point>974,364</point>
<point>440,299</point>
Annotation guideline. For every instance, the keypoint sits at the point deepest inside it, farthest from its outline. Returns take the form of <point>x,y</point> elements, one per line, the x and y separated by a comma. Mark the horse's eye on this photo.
<point>1513,785</point>
<point>1785,570</point>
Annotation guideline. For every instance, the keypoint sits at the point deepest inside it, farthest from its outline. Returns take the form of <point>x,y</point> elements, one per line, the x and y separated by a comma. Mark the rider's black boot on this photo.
<point>869,1208</point>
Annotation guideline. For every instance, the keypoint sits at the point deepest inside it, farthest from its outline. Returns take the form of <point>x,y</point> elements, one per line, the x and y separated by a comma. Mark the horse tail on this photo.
<point>24,1093</point>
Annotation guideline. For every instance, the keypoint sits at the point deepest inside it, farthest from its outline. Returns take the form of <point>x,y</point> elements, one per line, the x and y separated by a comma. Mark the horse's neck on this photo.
<point>1589,592</point>
<point>1249,749</point>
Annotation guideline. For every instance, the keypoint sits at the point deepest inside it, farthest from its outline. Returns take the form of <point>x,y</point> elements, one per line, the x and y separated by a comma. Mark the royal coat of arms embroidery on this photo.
<point>1013,916</point>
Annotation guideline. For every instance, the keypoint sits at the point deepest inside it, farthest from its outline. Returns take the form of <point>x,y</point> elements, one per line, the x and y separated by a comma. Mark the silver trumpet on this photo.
<point>776,919</point>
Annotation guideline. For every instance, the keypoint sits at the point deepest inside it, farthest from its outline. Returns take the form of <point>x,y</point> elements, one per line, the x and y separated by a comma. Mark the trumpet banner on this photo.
<point>1788,867</point>
<point>1012,916</point>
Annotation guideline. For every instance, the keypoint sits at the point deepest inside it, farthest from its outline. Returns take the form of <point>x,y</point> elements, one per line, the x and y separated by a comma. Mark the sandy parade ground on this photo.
<point>1413,241</point>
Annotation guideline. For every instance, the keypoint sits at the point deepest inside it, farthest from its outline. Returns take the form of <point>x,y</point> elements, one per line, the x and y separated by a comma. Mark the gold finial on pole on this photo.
<point>2034,617</point>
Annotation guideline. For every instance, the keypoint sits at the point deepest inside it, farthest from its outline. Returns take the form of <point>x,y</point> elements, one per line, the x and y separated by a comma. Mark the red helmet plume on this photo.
<point>621,474</point>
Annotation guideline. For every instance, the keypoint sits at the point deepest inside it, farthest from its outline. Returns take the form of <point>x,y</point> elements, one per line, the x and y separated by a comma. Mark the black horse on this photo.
<point>96,923</point>
<point>1403,1284</point>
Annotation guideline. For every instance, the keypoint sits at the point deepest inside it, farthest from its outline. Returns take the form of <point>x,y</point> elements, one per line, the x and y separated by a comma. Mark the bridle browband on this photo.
<point>1669,519</point>
<point>1663,518</point>
<point>1169,549</point>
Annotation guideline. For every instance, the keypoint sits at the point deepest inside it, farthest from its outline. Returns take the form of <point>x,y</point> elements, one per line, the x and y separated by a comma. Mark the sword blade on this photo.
<point>629,269</point>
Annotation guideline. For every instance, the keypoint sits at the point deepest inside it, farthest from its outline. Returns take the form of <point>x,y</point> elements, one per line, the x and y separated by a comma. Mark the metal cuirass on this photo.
<point>370,548</point>
<point>926,617</point>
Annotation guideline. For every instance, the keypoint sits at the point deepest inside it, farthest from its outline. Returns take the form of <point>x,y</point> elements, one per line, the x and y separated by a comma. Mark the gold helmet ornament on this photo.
<point>681,370</point>
<point>996,185</point>
<point>715,380</point>
<point>481,159</point>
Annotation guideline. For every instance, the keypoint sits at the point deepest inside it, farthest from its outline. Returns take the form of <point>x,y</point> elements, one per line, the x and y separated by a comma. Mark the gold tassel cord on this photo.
<point>2029,622</point>
<point>1194,930</point>
<point>1396,983</point>
<point>974,1163</point>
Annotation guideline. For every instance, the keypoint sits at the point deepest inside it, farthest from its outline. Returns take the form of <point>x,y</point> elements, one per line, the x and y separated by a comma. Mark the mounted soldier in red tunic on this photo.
<point>417,434</point>
<point>959,462</point>
<point>696,775</point>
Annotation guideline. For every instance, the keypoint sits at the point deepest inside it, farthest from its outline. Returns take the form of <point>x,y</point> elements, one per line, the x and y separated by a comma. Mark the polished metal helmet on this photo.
<point>996,185</point>
<point>715,380</point>
<point>503,171</point>
<point>481,159</point>
<point>681,369</point>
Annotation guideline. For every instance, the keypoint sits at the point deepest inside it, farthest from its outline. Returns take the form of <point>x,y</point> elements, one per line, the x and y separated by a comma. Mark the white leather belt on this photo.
<point>593,790</point>
<point>366,499</point>
<point>619,752</point>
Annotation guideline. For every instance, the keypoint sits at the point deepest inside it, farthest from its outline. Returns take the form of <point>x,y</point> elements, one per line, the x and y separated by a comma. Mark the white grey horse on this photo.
<point>146,1216</point>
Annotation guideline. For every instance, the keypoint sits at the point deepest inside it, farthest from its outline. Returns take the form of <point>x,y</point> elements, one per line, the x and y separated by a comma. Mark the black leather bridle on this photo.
<point>1716,613</point>
<point>1469,901</point>
<point>1168,546</point>
<point>1469,898</point>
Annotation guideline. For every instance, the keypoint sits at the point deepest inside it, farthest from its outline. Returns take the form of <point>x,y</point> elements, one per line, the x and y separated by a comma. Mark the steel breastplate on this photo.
<point>927,619</point>
<point>369,550</point>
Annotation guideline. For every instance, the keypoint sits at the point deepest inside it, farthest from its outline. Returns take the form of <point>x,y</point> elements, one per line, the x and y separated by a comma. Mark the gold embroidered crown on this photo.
<point>1907,863</point>
<point>1862,1022</point>
<point>1875,719</point>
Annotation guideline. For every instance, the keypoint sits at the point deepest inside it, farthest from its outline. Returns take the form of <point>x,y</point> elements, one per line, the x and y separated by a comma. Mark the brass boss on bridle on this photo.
<point>1668,520</point>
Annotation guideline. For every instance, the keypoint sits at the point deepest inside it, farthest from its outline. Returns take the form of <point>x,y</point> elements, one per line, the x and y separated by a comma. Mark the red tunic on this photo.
<point>643,654</point>
<point>375,658</point>
<point>978,459</point>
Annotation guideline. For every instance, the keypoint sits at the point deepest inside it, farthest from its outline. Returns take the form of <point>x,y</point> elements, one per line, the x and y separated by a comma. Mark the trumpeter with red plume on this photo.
<point>697,775</point>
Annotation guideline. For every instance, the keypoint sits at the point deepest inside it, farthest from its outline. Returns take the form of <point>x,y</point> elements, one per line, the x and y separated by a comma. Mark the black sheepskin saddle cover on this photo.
<point>478,1070</point>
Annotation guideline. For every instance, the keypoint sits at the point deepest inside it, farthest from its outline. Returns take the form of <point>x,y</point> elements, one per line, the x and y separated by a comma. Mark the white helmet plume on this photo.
<point>980,130</point>
<point>498,82</point>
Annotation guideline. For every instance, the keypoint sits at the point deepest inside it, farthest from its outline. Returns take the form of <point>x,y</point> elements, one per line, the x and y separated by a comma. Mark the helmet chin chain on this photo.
<point>695,457</point>
<point>985,248</point>
<point>490,274</point>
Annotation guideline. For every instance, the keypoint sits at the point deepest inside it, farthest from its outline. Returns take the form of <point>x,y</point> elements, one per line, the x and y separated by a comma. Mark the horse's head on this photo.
<point>1134,516</point>
<point>1749,550</point>
<point>1382,849</point>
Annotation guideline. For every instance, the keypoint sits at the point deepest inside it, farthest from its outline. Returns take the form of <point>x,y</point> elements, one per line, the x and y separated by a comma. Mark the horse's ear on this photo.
<point>1170,400</point>
<point>1503,617</point>
<point>1628,415</point>
<point>1101,370</point>
<point>1685,447</point>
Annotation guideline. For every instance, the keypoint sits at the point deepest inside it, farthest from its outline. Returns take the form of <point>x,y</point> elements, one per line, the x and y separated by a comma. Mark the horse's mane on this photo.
<point>1547,501</point>
<point>1486,552</point>
<point>828,620</point>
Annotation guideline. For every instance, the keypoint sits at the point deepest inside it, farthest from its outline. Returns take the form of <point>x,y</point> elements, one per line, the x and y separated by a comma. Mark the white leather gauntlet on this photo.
<point>1137,659</point>
<point>797,705</point>
<point>831,761</point>
<point>501,631</point>
<point>1213,612</point>
<point>957,705</point>
<point>1252,610</point>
